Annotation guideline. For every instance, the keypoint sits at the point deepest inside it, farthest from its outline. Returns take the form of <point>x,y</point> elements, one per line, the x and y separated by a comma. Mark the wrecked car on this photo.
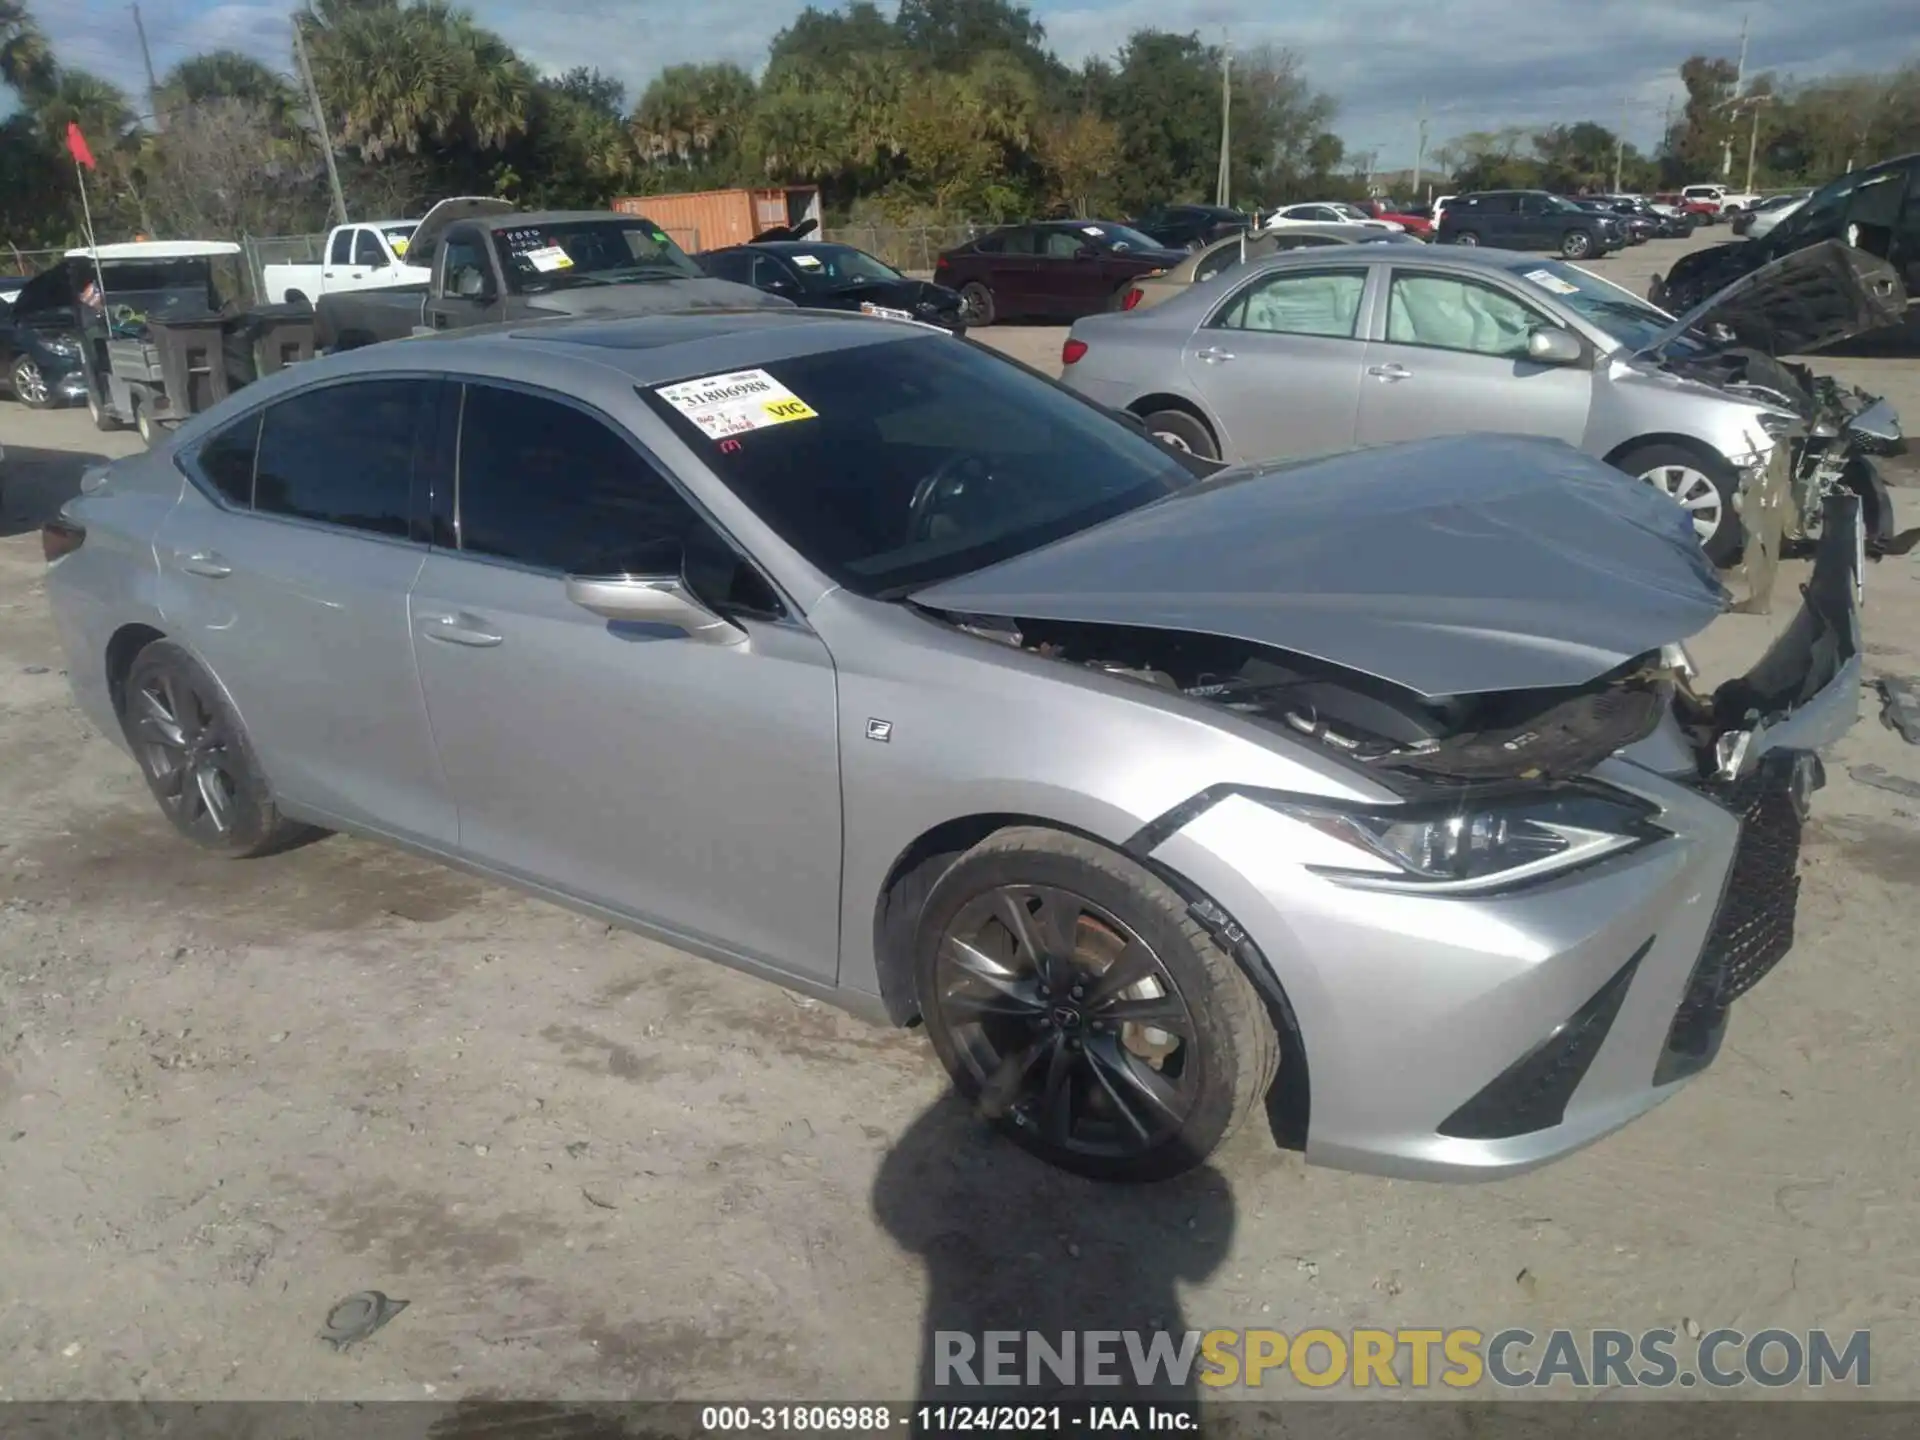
<point>1306,354</point>
<point>1376,792</point>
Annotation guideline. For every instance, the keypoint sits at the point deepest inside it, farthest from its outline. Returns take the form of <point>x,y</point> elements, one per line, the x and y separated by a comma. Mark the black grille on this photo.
<point>1753,928</point>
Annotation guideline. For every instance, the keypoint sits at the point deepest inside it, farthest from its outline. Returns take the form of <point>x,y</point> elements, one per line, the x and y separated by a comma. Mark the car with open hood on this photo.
<point>1309,353</point>
<point>825,276</point>
<point>852,655</point>
<point>1876,209</point>
<point>491,263</point>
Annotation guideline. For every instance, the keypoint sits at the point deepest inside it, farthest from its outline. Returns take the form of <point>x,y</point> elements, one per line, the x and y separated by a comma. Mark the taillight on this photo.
<point>941,263</point>
<point>60,537</point>
<point>1072,351</point>
<point>1133,298</point>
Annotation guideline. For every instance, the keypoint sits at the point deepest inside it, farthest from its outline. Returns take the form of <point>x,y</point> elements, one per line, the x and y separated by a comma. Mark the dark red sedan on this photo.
<point>1053,269</point>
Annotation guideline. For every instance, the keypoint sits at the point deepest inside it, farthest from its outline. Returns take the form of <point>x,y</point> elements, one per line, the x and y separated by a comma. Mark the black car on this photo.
<point>1639,229</point>
<point>834,277</point>
<point>1876,210</point>
<point>41,357</point>
<point>1191,227</point>
<point>1529,220</point>
<point>1676,226</point>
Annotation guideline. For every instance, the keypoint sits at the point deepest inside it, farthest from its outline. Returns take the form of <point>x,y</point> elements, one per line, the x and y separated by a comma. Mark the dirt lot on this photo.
<point>594,1167</point>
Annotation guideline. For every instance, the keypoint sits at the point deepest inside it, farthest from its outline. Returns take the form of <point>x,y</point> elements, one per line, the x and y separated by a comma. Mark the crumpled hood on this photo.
<point>1802,302</point>
<point>1457,566</point>
<point>655,297</point>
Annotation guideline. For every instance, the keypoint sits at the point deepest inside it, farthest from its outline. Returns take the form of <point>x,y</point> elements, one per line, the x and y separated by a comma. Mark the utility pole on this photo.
<point>1420,153</point>
<point>1620,143</point>
<point>1223,186</point>
<point>320,124</point>
<point>153,89</point>
<point>1753,137</point>
<point>1372,155</point>
<point>1739,80</point>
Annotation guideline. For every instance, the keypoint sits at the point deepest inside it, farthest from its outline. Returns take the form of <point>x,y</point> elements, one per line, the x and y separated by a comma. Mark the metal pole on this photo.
<point>153,89</point>
<point>1223,186</point>
<point>1620,144</point>
<point>1420,153</point>
<point>320,124</point>
<point>1753,144</point>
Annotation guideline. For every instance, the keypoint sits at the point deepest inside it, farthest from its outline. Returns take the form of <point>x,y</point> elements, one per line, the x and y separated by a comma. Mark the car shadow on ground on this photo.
<point>35,483</point>
<point>1010,1244</point>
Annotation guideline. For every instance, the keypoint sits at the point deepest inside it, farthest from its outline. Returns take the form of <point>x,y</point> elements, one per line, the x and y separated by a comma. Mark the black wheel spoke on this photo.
<point>1058,922</point>
<point>1011,908</point>
<point>1129,968</point>
<point>1121,1103</point>
<point>1056,1094</point>
<point>1163,1012</point>
<point>1127,1071</point>
<point>157,723</point>
<point>212,784</point>
<point>1009,1078</point>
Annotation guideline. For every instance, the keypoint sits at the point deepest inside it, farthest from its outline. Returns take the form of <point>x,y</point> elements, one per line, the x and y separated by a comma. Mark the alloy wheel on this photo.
<point>1177,442</point>
<point>1069,1023</point>
<point>1694,493</point>
<point>28,383</point>
<point>187,754</point>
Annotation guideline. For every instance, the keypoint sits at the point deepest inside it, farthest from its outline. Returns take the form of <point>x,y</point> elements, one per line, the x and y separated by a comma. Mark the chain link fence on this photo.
<point>15,261</point>
<point>906,247</point>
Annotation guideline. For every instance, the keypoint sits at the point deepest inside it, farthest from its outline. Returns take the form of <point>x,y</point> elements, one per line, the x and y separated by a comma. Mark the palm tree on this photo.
<point>229,75</point>
<point>26,61</point>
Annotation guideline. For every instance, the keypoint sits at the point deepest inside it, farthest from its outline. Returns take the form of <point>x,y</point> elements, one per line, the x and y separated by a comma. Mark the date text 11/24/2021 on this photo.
<point>950,1419</point>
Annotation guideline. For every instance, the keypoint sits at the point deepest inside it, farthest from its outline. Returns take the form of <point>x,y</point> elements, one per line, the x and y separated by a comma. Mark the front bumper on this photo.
<point>1468,1038</point>
<point>70,388</point>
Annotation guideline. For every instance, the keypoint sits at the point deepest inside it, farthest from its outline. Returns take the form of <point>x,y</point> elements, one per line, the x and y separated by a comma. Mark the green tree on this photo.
<point>26,60</point>
<point>1701,139</point>
<point>600,93</point>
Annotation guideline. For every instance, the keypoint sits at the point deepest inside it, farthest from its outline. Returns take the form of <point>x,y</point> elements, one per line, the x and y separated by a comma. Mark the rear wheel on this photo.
<point>1576,245</point>
<point>143,423</point>
<point>1703,486</point>
<point>1183,432</point>
<point>1072,997</point>
<point>1466,237</point>
<point>196,757</point>
<point>976,304</point>
<point>29,384</point>
<point>103,419</point>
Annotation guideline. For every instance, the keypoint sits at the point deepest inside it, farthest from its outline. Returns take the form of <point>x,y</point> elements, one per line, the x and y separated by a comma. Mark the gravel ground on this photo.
<point>231,1093</point>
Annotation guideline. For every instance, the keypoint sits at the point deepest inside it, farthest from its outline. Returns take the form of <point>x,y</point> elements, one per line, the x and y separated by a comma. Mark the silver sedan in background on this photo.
<point>1309,353</point>
<point>845,652</point>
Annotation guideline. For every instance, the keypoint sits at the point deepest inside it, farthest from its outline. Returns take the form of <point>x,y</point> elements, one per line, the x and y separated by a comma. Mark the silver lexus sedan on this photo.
<point>852,655</point>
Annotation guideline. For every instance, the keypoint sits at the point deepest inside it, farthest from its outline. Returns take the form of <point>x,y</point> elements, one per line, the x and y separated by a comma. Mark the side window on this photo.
<point>768,273</point>
<point>225,460</point>
<point>341,249</point>
<point>991,244</point>
<point>546,485</point>
<point>366,249</point>
<point>1019,242</point>
<point>1063,244</point>
<point>1874,211</point>
<point>1446,313</point>
<point>343,455</point>
<point>1496,205</point>
<point>467,272</point>
<point>1319,302</point>
<point>727,265</point>
<point>1219,260</point>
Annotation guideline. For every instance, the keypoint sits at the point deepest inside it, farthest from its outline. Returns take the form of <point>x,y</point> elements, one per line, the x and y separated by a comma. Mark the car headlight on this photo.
<point>63,345</point>
<point>1483,843</point>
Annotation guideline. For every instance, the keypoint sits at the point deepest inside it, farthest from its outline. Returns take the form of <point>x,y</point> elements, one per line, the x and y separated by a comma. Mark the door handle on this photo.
<point>205,563</point>
<point>457,630</point>
<point>1389,372</point>
<point>1213,355</point>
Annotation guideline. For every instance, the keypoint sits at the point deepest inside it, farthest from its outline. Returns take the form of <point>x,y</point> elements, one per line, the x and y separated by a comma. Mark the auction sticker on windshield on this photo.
<point>723,405</point>
<point>546,258</point>
<point>1547,280</point>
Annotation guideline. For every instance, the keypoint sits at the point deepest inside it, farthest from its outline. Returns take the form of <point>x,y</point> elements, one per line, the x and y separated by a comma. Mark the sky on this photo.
<point>1477,64</point>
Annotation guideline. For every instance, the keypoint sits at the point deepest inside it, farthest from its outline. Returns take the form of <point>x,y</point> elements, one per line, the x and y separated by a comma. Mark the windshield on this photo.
<point>902,467</point>
<point>1352,212</point>
<point>1615,312</point>
<point>1119,237</point>
<point>830,267</point>
<point>566,253</point>
<point>398,236</point>
<point>141,290</point>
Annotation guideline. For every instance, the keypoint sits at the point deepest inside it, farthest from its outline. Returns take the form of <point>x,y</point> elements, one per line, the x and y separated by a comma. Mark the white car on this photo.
<point>1327,212</point>
<point>1727,202</point>
<point>368,255</point>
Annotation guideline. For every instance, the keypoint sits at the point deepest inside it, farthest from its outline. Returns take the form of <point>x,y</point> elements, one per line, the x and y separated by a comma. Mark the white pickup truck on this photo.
<point>1729,202</point>
<point>364,256</point>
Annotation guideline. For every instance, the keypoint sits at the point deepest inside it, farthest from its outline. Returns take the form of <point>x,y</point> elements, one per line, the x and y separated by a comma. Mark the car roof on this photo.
<point>786,247</point>
<point>646,349</point>
<point>514,219</point>
<point>156,250</point>
<point>1450,257</point>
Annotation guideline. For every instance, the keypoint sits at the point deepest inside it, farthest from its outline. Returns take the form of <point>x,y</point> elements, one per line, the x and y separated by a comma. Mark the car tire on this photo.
<point>1576,245</point>
<point>1183,432</point>
<point>1465,237</point>
<point>976,305</point>
<point>29,384</point>
<point>1702,484</point>
<point>103,419</point>
<point>1140,1084</point>
<point>196,757</point>
<point>297,297</point>
<point>144,424</point>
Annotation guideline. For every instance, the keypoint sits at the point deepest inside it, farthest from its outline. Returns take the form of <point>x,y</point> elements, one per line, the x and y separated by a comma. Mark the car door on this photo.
<point>339,261</point>
<point>468,289</point>
<point>1531,227</point>
<point>1278,362</point>
<point>1012,271</point>
<point>287,570</point>
<point>776,277</point>
<point>1449,356</point>
<point>692,787</point>
<point>369,266</point>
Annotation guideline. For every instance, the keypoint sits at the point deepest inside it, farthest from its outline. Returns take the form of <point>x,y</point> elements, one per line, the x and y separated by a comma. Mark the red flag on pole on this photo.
<point>77,146</point>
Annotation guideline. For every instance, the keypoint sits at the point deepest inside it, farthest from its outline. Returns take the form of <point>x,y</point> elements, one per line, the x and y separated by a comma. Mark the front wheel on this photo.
<point>1466,237</point>
<point>1094,1022</point>
<point>196,756</point>
<point>976,304</point>
<point>29,384</point>
<point>1576,245</point>
<point>1704,487</point>
<point>143,423</point>
<point>1183,432</point>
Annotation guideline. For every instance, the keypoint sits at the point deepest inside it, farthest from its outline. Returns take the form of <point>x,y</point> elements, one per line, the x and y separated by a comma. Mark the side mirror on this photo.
<point>653,600</point>
<point>1550,345</point>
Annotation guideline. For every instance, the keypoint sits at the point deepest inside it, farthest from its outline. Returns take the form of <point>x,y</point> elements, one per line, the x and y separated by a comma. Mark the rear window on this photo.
<point>913,460</point>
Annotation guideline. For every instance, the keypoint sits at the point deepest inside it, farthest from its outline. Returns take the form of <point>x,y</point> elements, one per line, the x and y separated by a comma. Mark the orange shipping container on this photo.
<point>714,219</point>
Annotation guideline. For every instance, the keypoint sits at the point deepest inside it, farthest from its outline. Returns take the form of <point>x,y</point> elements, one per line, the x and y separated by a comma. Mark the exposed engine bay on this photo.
<point>1513,735</point>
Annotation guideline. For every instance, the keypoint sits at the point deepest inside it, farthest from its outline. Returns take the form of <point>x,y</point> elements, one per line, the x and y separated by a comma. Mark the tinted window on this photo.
<point>769,273</point>
<point>552,255</point>
<point>225,460</point>
<point>467,272</point>
<point>343,455</point>
<point>1064,244</point>
<point>342,247</point>
<point>367,251</point>
<point>1322,302</point>
<point>729,265</point>
<point>1018,242</point>
<point>550,486</point>
<point>918,463</point>
<point>1451,314</point>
